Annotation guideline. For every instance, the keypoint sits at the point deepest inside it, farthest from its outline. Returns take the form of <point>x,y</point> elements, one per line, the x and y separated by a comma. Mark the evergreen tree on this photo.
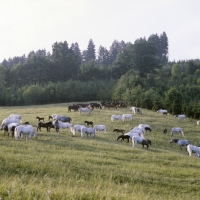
<point>164,47</point>
<point>90,53</point>
<point>75,48</point>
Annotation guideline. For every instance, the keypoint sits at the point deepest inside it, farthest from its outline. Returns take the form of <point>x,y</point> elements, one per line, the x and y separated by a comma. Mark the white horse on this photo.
<point>100,128</point>
<point>87,131</point>
<point>193,149</point>
<point>164,112</point>
<point>136,110</point>
<point>25,130</point>
<point>10,128</point>
<point>139,128</point>
<point>180,116</point>
<point>76,128</point>
<point>87,110</point>
<point>140,140</point>
<point>62,125</point>
<point>7,121</point>
<point>127,116</point>
<point>116,117</point>
<point>16,116</point>
<point>177,130</point>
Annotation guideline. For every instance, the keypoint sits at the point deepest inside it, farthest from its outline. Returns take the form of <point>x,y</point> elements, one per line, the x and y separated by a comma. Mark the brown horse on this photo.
<point>119,131</point>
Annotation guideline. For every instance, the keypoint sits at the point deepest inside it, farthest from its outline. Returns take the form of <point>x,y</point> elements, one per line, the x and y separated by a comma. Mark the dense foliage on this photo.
<point>139,74</point>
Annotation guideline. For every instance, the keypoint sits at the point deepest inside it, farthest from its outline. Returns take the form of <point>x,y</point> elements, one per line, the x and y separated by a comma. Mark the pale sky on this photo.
<point>30,25</point>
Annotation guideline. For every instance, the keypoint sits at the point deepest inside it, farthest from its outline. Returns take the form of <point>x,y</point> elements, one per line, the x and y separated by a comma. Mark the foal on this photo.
<point>88,123</point>
<point>40,118</point>
<point>119,131</point>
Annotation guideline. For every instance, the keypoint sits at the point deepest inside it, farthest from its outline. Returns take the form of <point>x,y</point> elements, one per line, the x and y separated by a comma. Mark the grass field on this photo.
<point>59,166</point>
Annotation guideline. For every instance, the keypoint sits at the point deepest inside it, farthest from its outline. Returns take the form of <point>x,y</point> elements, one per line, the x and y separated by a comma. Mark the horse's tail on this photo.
<point>16,133</point>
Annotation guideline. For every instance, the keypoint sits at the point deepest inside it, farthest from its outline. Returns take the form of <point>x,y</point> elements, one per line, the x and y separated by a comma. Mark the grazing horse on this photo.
<point>15,116</point>
<point>7,121</point>
<point>87,110</point>
<point>100,127</point>
<point>177,130</point>
<point>25,130</point>
<point>61,125</point>
<point>180,116</point>
<point>116,117</point>
<point>193,149</point>
<point>10,128</point>
<point>40,118</point>
<point>140,140</point>
<point>127,116</point>
<point>180,142</point>
<point>88,123</point>
<point>119,131</point>
<point>47,125</point>
<point>123,137</point>
<point>164,112</point>
<point>76,128</point>
<point>89,131</point>
<point>60,118</point>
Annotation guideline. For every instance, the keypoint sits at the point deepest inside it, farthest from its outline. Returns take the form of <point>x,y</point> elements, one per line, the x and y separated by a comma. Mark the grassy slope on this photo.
<point>59,166</point>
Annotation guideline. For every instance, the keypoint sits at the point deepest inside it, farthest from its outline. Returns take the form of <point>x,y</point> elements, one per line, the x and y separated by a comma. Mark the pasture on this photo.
<point>59,166</point>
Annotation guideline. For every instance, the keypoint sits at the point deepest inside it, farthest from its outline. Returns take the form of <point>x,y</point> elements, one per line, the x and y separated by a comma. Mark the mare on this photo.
<point>7,121</point>
<point>47,125</point>
<point>10,128</point>
<point>193,149</point>
<point>87,110</point>
<point>40,118</point>
<point>25,130</point>
<point>59,125</point>
<point>87,131</point>
<point>116,117</point>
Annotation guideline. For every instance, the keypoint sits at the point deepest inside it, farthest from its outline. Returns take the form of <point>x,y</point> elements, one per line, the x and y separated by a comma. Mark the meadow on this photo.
<point>59,166</point>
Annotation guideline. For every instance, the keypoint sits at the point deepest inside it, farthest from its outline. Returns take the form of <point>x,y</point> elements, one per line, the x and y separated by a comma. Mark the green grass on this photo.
<point>59,166</point>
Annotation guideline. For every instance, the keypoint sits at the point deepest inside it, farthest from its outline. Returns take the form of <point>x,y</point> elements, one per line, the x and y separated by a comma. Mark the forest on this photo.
<point>139,74</point>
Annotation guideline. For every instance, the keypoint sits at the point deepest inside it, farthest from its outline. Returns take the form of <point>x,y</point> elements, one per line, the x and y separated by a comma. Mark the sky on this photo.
<point>30,25</point>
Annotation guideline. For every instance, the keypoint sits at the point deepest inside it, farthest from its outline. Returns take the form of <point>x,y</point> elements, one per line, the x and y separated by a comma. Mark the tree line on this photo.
<point>139,74</point>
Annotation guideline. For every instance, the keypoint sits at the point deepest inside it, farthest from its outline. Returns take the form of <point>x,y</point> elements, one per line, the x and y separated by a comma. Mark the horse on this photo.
<point>146,127</point>
<point>164,112</point>
<point>177,130</point>
<point>119,131</point>
<point>8,120</point>
<point>61,125</point>
<point>193,149</point>
<point>116,117</point>
<point>76,128</point>
<point>87,110</point>
<point>60,118</point>
<point>15,116</point>
<point>47,125</point>
<point>180,116</point>
<point>127,116</point>
<point>140,140</point>
<point>164,130</point>
<point>88,123</point>
<point>89,131</point>
<point>100,128</point>
<point>123,137</point>
<point>180,142</point>
<point>10,128</point>
<point>40,118</point>
<point>25,130</point>
<point>74,107</point>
